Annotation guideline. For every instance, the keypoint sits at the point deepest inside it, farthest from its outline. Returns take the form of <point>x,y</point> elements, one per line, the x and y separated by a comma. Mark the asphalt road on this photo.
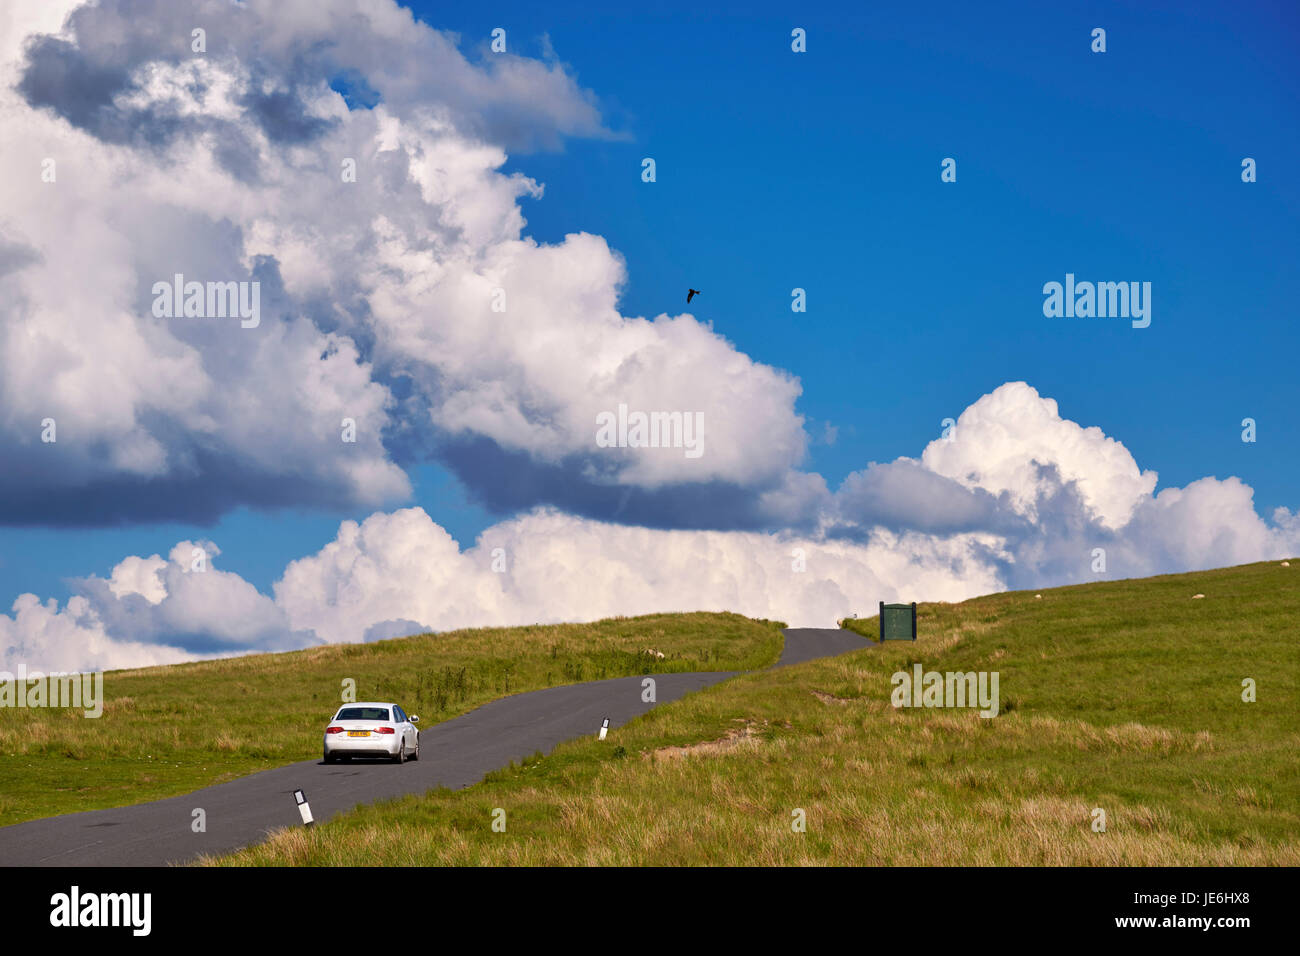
<point>455,754</point>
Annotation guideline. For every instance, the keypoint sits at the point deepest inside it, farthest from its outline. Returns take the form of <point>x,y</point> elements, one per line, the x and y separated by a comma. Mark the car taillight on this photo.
<point>333,730</point>
<point>385,730</point>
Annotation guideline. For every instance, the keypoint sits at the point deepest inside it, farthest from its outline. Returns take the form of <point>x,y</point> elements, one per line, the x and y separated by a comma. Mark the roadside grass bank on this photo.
<point>170,730</point>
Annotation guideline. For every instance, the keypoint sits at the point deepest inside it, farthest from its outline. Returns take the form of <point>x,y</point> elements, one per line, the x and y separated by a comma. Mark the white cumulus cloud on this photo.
<point>1000,441</point>
<point>228,166</point>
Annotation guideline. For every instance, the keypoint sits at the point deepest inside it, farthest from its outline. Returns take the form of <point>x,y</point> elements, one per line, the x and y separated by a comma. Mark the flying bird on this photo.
<point>690,294</point>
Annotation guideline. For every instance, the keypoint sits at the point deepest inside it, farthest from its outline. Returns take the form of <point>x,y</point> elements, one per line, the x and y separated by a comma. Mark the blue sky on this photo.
<point>821,171</point>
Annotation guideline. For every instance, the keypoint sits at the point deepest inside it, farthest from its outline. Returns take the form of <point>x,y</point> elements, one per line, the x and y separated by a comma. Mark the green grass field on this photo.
<point>169,730</point>
<point>1123,696</point>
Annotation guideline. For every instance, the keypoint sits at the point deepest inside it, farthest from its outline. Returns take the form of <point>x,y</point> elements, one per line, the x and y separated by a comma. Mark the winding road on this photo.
<point>455,753</point>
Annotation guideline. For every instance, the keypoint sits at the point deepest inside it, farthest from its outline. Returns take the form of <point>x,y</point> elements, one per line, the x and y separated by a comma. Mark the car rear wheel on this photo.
<point>401,752</point>
<point>329,757</point>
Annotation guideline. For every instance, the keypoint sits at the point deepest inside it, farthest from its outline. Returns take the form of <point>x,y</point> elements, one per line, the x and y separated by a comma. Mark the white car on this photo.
<point>372,730</point>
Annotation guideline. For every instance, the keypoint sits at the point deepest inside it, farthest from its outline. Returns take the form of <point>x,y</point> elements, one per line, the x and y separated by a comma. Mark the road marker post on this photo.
<point>604,728</point>
<point>303,807</point>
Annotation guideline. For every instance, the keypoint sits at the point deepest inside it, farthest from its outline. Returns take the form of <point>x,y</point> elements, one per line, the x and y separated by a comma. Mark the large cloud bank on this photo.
<point>378,297</point>
<point>1018,497</point>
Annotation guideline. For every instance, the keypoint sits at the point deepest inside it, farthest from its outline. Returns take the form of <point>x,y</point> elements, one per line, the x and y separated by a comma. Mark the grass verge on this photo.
<point>170,730</point>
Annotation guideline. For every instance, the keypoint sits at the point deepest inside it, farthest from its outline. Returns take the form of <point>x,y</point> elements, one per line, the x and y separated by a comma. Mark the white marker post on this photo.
<point>303,807</point>
<point>604,728</point>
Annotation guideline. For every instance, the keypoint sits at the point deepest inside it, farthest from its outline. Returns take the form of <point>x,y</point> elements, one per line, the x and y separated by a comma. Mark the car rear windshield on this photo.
<point>363,713</point>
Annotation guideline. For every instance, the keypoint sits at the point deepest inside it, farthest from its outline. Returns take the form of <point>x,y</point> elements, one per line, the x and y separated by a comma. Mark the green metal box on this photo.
<point>897,622</point>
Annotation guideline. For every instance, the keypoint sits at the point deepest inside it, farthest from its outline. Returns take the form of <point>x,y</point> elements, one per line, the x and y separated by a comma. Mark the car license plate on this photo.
<point>358,733</point>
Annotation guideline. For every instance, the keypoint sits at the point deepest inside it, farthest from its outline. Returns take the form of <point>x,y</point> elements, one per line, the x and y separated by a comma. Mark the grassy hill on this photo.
<point>1124,696</point>
<point>169,730</point>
